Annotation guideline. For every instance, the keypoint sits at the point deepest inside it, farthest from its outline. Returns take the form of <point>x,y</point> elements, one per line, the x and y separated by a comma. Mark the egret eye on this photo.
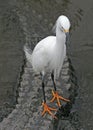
<point>62,29</point>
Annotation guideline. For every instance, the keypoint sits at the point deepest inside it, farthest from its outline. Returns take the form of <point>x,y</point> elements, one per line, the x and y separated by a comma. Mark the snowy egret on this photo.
<point>48,55</point>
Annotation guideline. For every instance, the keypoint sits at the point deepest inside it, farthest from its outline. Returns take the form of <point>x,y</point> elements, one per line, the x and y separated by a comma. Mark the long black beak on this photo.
<point>68,42</point>
<point>67,39</point>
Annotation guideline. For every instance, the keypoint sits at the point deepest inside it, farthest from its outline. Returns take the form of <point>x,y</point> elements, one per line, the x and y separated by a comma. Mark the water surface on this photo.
<point>41,16</point>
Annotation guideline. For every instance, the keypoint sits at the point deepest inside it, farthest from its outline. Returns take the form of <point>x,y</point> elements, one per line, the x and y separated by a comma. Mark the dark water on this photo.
<point>11,56</point>
<point>41,16</point>
<point>82,48</point>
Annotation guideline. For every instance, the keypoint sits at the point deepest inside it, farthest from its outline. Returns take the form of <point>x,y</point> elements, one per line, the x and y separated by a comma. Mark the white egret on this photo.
<point>48,55</point>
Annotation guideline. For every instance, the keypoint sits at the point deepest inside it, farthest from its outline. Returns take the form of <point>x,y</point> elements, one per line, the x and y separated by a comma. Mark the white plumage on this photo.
<point>49,53</point>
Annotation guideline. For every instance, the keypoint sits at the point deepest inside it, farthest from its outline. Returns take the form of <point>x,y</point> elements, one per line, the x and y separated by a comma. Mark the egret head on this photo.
<point>63,23</point>
<point>63,26</point>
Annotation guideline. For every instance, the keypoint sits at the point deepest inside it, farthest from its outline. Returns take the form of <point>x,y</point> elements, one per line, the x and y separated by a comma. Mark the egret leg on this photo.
<point>52,76</point>
<point>46,108</point>
<point>43,88</point>
<point>55,94</point>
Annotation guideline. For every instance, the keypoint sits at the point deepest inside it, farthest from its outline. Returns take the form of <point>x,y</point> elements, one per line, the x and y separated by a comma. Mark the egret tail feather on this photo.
<point>28,54</point>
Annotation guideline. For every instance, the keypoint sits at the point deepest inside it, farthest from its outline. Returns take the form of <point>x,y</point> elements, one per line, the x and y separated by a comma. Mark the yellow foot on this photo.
<point>57,97</point>
<point>48,109</point>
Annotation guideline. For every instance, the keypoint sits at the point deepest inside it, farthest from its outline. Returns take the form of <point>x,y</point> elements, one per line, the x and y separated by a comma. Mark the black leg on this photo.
<point>52,76</point>
<point>43,87</point>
